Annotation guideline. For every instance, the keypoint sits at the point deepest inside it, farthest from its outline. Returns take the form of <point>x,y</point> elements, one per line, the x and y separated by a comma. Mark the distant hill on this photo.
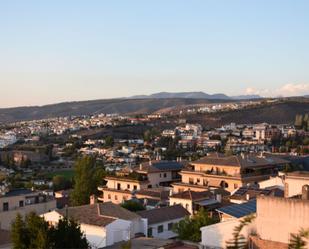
<point>192,95</point>
<point>282,112</point>
<point>122,106</point>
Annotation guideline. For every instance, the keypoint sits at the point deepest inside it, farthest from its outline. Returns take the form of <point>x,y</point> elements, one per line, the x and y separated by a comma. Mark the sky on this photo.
<point>53,51</point>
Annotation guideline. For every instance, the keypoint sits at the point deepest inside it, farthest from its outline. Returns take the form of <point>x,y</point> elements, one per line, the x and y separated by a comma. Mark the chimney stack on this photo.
<point>93,199</point>
<point>305,192</point>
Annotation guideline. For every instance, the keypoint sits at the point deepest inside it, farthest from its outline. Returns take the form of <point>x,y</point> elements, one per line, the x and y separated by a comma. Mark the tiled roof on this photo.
<point>100,214</point>
<point>159,215</point>
<point>108,209</point>
<point>156,193</point>
<point>157,166</point>
<point>88,214</point>
<point>246,161</point>
<point>193,195</point>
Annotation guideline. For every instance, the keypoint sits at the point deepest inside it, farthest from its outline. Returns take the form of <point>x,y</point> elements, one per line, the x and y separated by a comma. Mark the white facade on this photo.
<point>216,236</point>
<point>163,230</point>
<point>99,236</point>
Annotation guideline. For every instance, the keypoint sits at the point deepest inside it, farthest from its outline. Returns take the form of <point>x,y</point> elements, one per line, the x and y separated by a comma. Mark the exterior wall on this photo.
<point>181,188</point>
<point>166,234</point>
<point>124,185</point>
<point>273,181</point>
<point>187,204</point>
<point>156,178</point>
<point>115,196</point>
<point>119,230</point>
<point>7,217</point>
<point>95,235</point>
<point>228,169</point>
<point>13,201</point>
<point>232,182</point>
<point>277,218</point>
<point>293,185</point>
<point>216,236</point>
<point>257,243</point>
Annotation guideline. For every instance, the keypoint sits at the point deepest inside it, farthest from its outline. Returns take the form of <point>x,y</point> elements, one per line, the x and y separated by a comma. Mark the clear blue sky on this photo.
<point>58,50</point>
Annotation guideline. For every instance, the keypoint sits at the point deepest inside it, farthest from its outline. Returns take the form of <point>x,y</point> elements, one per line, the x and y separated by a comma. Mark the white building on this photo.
<point>162,220</point>
<point>103,224</point>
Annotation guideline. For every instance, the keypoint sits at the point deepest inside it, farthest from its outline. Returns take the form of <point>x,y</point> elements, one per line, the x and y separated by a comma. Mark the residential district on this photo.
<point>158,181</point>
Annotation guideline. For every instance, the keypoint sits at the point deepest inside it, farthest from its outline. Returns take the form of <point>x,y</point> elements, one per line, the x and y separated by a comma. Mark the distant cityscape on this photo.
<point>156,172</point>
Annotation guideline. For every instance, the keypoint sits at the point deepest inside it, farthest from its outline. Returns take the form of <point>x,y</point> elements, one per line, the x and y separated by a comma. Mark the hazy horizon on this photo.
<point>60,51</point>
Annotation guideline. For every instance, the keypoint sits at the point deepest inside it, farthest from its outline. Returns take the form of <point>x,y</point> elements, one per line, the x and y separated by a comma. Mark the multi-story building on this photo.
<point>228,172</point>
<point>23,201</point>
<point>148,175</point>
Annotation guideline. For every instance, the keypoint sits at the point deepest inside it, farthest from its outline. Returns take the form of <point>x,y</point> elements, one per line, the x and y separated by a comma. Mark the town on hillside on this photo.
<point>154,181</point>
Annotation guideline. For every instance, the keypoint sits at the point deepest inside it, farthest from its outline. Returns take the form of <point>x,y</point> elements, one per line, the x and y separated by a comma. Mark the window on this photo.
<point>150,186</point>
<point>170,226</point>
<point>109,196</point>
<point>116,197</point>
<point>164,175</point>
<point>160,229</point>
<point>160,175</point>
<point>135,187</point>
<point>118,186</point>
<point>191,180</point>
<point>21,203</point>
<point>5,206</point>
<point>198,180</point>
<point>149,232</point>
<point>128,186</point>
<point>235,185</point>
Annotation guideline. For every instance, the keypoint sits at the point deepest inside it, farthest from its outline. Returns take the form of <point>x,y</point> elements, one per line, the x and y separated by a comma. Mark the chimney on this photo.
<point>141,166</point>
<point>305,192</point>
<point>93,199</point>
<point>219,198</point>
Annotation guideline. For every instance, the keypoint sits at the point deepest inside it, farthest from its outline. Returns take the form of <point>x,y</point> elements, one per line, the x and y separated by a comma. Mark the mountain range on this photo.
<point>193,95</point>
<point>158,102</point>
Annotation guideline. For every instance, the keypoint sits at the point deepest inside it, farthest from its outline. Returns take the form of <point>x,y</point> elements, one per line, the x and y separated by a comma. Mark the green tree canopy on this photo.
<point>87,178</point>
<point>189,228</point>
<point>133,206</point>
<point>35,233</point>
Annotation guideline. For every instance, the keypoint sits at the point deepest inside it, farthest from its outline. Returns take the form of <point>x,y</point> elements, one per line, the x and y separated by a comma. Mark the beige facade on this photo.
<point>186,203</point>
<point>7,217</point>
<point>120,189</point>
<point>277,218</point>
<point>196,181</point>
<point>294,183</point>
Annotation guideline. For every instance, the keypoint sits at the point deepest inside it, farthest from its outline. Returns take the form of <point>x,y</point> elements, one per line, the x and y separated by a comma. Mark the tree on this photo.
<point>298,241</point>
<point>239,241</point>
<point>60,183</point>
<point>67,234</point>
<point>87,178</point>
<point>133,206</point>
<point>35,233</point>
<point>18,233</point>
<point>189,228</point>
<point>150,135</point>
<point>30,233</point>
<point>109,141</point>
